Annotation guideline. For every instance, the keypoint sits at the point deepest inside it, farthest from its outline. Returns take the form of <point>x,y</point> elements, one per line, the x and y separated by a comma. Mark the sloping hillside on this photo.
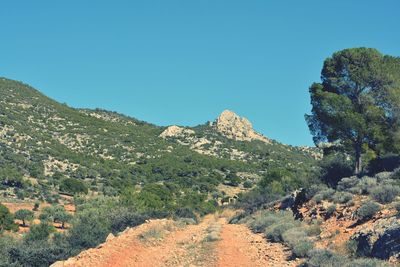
<point>44,142</point>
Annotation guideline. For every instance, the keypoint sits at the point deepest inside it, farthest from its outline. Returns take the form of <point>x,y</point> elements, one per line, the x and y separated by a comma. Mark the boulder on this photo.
<point>235,127</point>
<point>382,241</point>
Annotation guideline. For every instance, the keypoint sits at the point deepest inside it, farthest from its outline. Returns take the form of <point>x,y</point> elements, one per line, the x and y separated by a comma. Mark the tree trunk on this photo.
<point>358,159</point>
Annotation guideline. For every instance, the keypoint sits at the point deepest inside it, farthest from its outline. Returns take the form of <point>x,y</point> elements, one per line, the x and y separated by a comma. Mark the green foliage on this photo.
<point>397,207</point>
<point>56,214</point>
<point>11,176</point>
<point>330,211</point>
<point>282,227</point>
<point>6,220</point>
<point>350,106</point>
<point>39,232</point>
<point>385,193</point>
<point>342,197</point>
<point>334,168</point>
<point>89,229</point>
<point>24,215</point>
<point>367,210</point>
<point>36,206</point>
<point>325,258</point>
<point>298,241</point>
<point>121,218</point>
<point>73,186</point>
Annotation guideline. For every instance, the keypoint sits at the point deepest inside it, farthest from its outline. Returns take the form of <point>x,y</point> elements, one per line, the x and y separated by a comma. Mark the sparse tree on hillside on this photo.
<point>56,214</point>
<point>24,215</point>
<point>350,107</point>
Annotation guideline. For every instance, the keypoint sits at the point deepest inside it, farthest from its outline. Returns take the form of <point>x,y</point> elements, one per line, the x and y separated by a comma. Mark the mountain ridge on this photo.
<point>46,142</point>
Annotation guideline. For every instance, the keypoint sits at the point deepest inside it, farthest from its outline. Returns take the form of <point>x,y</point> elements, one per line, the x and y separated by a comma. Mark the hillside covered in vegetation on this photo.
<point>74,179</point>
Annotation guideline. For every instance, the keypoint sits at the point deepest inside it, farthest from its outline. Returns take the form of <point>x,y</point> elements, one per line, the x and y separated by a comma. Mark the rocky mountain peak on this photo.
<point>235,127</point>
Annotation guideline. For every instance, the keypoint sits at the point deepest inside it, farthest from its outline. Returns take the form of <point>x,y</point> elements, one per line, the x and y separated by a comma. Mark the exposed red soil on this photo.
<point>184,246</point>
<point>240,247</point>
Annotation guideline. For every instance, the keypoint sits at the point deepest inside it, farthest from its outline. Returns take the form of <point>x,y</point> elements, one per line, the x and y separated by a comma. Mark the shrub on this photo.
<point>397,207</point>
<point>7,244</point>
<point>296,239</point>
<point>324,258</point>
<point>73,186</point>
<point>365,185</point>
<point>247,184</point>
<point>276,231</point>
<point>385,163</point>
<point>313,230</point>
<point>302,247</point>
<point>6,220</point>
<point>366,263</point>
<point>334,168</point>
<point>122,218</point>
<point>39,232</point>
<point>385,194</point>
<point>347,183</point>
<point>327,194</point>
<point>267,219</point>
<point>330,211</point>
<point>39,253</point>
<point>367,211</point>
<point>342,197</point>
<point>261,222</point>
<point>89,229</point>
<point>185,213</point>
<point>36,206</point>
<point>318,198</point>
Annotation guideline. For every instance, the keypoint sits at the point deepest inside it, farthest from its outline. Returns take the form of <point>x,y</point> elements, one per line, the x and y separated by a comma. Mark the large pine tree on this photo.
<point>351,107</point>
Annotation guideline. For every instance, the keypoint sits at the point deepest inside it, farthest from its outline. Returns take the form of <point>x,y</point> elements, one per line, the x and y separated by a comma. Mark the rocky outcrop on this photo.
<point>176,131</point>
<point>382,241</point>
<point>234,127</point>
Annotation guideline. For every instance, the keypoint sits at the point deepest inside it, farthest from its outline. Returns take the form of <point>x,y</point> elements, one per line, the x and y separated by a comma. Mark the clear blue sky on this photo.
<point>183,62</point>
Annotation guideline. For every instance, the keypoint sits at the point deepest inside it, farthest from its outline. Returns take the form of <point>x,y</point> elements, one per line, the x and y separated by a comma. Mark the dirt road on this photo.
<point>213,242</point>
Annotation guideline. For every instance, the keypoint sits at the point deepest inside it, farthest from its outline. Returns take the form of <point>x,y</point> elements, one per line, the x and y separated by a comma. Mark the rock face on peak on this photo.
<point>235,127</point>
<point>176,131</point>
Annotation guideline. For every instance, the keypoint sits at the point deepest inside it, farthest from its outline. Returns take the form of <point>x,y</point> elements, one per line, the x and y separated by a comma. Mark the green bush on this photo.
<point>334,168</point>
<point>342,197</point>
<point>275,232</point>
<point>89,228</point>
<point>385,193</point>
<point>327,194</point>
<point>324,258</point>
<point>6,220</point>
<point>367,210</point>
<point>39,232</point>
<point>261,221</point>
<point>367,263</point>
<point>397,207</point>
<point>301,248</point>
<point>347,183</point>
<point>73,186</point>
<point>122,218</point>
<point>313,230</point>
<point>330,211</point>
<point>296,238</point>
<point>365,185</point>
<point>185,213</point>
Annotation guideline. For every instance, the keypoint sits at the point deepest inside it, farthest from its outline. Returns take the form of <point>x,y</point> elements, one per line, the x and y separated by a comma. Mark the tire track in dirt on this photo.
<point>187,246</point>
<point>242,248</point>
